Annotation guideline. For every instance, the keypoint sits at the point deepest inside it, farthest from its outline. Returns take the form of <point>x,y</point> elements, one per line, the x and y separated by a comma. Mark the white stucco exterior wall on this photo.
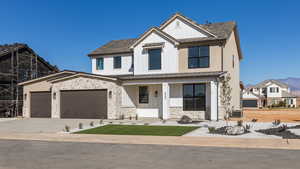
<point>180,30</point>
<point>126,63</point>
<point>169,56</point>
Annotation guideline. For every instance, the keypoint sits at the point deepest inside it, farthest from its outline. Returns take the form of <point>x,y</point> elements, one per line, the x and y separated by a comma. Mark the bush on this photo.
<point>67,128</point>
<point>211,129</point>
<point>146,124</point>
<point>276,122</point>
<point>122,117</point>
<point>254,120</point>
<point>164,121</point>
<point>136,117</point>
<point>247,127</point>
<point>101,122</point>
<point>80,125</point>
<point>91,123</point>
<point>130,118</point>
<point>240,123</point>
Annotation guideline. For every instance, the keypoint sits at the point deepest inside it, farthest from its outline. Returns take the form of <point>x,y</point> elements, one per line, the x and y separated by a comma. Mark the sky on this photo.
<point>65,31</point>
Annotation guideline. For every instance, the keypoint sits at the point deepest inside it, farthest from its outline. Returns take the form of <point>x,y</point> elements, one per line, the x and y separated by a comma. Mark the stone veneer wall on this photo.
<point>84,83</point>
<point>128,112</point>
<point>177,113</point>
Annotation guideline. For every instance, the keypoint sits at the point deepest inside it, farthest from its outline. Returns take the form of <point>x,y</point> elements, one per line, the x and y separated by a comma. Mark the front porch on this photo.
<point>171,98</point>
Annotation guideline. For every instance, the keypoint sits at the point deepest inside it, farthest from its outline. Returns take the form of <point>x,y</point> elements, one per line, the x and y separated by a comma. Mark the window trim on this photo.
<point>198,57</point>
<point>149,68</point>
<point>146,95</point>
<point>98,65</point>
<point>194,98</point>
<point>114,62</point>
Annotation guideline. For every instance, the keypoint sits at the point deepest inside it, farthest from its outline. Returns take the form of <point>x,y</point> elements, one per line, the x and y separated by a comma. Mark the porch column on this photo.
<point>213,101</point>
<point>165,100</point>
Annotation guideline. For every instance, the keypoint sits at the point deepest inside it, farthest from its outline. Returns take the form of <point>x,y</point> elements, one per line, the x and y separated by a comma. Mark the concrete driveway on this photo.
<point>40,125</point>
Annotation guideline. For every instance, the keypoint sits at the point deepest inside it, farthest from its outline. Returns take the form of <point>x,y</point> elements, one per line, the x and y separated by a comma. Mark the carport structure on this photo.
<point>70,94</point>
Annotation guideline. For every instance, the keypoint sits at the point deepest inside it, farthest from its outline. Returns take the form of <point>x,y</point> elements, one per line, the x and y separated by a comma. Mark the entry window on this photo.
<point>143,94</point>
<point>193,97</point>
<point>198,57</point>
<point>154,59</point>
<point>117,62</point>
<point>99,63</point>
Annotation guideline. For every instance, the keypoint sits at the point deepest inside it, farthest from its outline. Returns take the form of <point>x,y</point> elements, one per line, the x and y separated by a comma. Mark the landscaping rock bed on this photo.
<point>281,131</point>
<point>224,131</point>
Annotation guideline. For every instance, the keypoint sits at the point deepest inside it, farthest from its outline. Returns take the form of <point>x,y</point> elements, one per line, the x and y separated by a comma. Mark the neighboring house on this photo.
<point>18,63</point>
<point>167,72</point>
<point>268,93</point>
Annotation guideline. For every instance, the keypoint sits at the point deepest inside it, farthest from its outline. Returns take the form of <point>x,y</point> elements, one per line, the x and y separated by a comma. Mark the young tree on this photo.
<point>226,95</point>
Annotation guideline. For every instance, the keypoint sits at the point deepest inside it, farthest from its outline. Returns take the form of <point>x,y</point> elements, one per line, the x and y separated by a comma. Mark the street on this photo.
<point>74,155</point>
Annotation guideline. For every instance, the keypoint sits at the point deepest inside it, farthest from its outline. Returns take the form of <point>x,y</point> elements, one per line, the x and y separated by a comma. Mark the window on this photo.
<point>143,94</point>
<point>154,59</point>
<point>117,62</point>
<point>99,64</point>
<point>198,57</point>
<point>193,97</point>
<point>274,90</point>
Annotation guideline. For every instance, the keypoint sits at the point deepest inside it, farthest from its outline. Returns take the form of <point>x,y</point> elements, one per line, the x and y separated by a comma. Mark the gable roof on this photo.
<point>265,82</point>
<point>8,48</point>
<point>215,31</point>
<point>159,32</point>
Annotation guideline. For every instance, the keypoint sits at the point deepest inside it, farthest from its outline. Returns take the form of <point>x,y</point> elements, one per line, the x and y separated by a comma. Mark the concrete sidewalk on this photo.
<point>160,140</point>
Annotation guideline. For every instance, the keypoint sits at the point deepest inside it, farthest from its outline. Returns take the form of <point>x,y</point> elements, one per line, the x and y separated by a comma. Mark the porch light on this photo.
<point>156,93</point>
<point>25,96</point>
<point>110,94</point>
<point>54,95</point>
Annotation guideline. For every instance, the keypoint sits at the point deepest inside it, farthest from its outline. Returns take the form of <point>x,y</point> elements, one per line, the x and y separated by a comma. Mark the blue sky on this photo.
<point>64,32</point>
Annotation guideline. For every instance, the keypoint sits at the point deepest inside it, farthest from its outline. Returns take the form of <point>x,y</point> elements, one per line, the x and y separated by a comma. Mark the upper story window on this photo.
<point>99,63</point>
<point>198,57</point>
<point>117,62</point>
<point>274,89</point>
<point>154,59</point>
<point>143,94</point>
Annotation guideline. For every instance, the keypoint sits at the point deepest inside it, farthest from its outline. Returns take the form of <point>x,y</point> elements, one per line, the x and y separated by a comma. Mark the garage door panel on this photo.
<point>249,103</point>
<point>85,104</point>
<point>40,104</point>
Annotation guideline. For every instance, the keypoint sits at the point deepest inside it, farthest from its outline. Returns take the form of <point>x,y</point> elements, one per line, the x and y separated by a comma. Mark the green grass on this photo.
<point>139,130</point>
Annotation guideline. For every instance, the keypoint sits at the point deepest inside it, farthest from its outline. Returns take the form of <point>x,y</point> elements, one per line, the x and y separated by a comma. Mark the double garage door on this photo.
<point>249,103</point>
<point>76,104</point>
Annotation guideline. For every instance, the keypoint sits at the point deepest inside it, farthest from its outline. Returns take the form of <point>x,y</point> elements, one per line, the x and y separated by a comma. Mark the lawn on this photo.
<point>140,130</point>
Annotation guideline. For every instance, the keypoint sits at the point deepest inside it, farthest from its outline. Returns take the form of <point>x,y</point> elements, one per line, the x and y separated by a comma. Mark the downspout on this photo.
<point>217,99</point>
<point>222,59</point>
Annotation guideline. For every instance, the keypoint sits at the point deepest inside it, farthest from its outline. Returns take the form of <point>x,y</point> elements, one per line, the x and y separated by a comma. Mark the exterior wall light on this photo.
<point>54,95</point>
<point>110,94</point>
<point>25,96</point>
<point>156,93</point>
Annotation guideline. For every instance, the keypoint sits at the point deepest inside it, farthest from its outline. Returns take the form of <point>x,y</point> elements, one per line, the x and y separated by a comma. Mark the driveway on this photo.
<point>40,125</point>
<point>72,155</point>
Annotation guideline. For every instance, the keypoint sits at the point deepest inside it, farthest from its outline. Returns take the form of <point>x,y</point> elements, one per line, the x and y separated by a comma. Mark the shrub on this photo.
<point>101,122</point>
<point>146,124</point>
<point>211,129</point>
<point>164,121</point>
<point>240,123</point>
<point>276,122</point>
<point>80,125</point>
<point>130,118</point>
<point>91,123</point>
<point>247,127</point>
<point>122,117</point>
<point>67,128</point>
<point>120,122</point>
<point>254,120</point>
<point>136,117</point>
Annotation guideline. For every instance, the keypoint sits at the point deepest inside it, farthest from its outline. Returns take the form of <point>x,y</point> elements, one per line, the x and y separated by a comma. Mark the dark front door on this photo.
<point>84,104</point>
<point>40,104</point>
<point>249,103</point>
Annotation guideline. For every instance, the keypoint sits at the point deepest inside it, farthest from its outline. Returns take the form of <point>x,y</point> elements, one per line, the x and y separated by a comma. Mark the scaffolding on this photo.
<point>23,66</point>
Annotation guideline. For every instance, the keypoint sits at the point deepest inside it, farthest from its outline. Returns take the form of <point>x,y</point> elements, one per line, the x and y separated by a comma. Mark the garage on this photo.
<point>249,103</point>
<point>83,104</point>
<point>40,104</point>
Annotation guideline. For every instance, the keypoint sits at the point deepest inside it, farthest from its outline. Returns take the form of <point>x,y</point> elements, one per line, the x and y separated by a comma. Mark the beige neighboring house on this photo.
<point>268,93</point>
<point>167,72</point>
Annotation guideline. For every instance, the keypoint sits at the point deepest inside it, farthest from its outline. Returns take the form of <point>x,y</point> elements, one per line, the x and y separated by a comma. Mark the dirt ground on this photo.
<point>269,115</point>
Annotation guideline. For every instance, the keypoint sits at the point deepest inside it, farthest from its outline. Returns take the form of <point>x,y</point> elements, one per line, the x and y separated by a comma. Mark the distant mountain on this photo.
<point>294,84</point>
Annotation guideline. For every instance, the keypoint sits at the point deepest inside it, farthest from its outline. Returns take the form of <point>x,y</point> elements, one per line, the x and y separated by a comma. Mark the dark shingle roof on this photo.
<point>221,30</point>
<point>114,46</point>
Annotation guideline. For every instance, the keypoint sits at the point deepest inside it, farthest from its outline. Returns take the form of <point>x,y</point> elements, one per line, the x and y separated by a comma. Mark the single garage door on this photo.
<point>249,103</point>
<point>84,104</point>
<point>40,104</point>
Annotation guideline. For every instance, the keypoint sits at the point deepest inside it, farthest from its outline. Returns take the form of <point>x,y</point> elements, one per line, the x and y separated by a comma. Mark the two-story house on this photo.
<point>167,72</point>
<point>268,93</point>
